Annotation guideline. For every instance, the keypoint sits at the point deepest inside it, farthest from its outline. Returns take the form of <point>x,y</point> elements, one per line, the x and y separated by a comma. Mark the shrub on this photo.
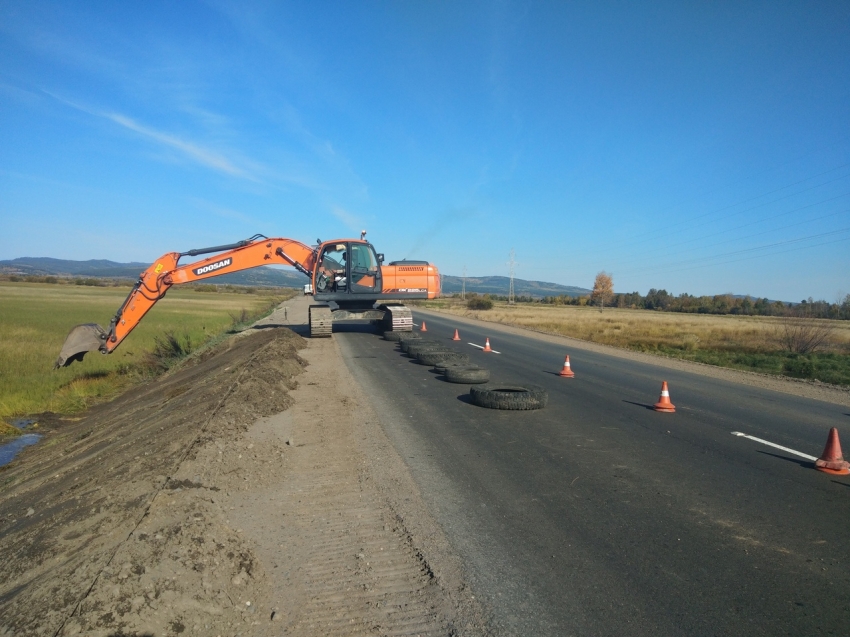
<point>479,304</point>
<point>798,367</point>
<point>167,350</point>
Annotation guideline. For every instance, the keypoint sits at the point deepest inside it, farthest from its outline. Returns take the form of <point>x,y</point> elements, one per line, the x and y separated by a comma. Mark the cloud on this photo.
<point>203,156</point>
<point>220,211</point>
<point>351,220</point>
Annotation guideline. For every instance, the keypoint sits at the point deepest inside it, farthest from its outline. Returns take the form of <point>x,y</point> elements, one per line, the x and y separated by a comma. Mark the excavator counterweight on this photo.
<point>345,272</point>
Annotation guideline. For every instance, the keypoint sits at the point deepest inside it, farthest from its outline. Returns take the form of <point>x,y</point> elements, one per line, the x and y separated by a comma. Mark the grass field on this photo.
<point>35,319</point>
<point>741,342</point>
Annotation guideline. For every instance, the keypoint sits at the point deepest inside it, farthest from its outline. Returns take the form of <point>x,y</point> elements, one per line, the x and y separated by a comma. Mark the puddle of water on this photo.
<point>11,449</point>
<point>23,423</point>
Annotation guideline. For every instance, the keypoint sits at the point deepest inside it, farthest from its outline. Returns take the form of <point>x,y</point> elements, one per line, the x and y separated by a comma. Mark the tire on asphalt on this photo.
<point>400,336</point>
<point>441,368</point>
<point>407,342</point>
<point>414,347</point>
<point>513,397</point>
<point>431,358</point>
<point>467,375</point>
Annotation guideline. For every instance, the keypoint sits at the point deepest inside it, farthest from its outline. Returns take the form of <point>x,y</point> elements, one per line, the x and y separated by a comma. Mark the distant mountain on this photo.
<point>42,266</point>
<point>270,277</point>
<point>501,285</point>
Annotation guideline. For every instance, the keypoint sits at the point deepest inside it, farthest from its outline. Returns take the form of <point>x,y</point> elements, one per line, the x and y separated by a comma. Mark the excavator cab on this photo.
<point>346,270</point>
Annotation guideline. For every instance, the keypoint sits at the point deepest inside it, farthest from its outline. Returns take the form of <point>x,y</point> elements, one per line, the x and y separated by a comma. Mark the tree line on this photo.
<point>663,301</point>
<point>718,304</point>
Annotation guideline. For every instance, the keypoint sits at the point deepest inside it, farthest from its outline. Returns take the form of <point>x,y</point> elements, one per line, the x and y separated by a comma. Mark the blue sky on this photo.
<point>699,147</point>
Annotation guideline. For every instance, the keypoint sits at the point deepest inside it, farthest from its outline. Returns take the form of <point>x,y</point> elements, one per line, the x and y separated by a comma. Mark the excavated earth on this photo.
<point>249,492</point>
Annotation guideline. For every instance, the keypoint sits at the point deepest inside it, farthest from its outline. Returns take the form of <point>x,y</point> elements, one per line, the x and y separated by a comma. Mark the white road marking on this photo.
<point>492,351</point>
<point>773,444</point>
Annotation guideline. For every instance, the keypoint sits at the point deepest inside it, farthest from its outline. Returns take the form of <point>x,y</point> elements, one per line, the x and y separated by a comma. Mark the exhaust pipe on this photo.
<point>82,339</point>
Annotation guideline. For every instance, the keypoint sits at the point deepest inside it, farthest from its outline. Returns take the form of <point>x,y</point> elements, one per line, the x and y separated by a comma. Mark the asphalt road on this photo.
<point>599,516</point>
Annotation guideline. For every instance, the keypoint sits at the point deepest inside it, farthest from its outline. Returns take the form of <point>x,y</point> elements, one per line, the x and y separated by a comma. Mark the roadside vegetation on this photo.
<point>35,318</point>
<point>792,345</point>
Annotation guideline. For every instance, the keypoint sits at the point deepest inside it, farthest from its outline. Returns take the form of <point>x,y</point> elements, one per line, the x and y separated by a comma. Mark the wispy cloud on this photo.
<point>204,156</point>
<point>207,157</point>
<point>351,220</point>
<point>221,211</point>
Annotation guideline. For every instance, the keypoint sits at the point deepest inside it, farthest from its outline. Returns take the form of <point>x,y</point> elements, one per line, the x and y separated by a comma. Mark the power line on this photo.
<point>752,223</point>
<point>512,263</point>
<point>678,265</point>
<point>668,226</point>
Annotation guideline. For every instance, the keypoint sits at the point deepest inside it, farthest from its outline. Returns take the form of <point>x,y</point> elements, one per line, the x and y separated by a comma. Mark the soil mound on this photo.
<point>97,536</point>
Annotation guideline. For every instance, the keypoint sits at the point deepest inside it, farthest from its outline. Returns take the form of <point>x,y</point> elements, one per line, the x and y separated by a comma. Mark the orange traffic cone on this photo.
<point>664,403</point>
<point>566,372</point>
<point>423,328</point>
<point>831,460</point>
<point>487,346</point>
<point>456,337</point>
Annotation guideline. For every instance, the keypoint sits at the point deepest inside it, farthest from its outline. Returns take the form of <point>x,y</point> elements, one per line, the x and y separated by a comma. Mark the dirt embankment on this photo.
<point>221,500</point>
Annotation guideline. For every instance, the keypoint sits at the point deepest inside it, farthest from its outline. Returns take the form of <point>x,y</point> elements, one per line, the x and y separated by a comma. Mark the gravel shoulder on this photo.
<point>250,492</point>
<point>804,388</point>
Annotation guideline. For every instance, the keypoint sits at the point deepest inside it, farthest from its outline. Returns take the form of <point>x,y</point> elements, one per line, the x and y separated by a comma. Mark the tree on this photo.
<point>603,288</point>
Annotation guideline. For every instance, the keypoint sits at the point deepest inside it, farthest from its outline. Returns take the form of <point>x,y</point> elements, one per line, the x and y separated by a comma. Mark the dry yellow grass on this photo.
<point>742,342</point>
<point>643,329</point>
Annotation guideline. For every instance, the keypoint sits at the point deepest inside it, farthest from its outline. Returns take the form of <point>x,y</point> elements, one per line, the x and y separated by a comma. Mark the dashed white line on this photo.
<point>492,351</point>
<point>773,444</point>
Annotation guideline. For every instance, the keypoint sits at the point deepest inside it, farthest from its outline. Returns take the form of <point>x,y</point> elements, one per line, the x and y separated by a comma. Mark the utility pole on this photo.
<point>512,263</point>
<point>463,285</point>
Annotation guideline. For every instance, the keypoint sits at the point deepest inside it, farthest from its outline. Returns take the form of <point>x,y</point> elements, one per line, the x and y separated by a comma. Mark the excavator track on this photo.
<point>321,321</point>
<point>397,318</point>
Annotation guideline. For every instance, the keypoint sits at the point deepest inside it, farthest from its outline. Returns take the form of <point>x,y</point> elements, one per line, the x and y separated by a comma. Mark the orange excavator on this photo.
<point>347,273</point>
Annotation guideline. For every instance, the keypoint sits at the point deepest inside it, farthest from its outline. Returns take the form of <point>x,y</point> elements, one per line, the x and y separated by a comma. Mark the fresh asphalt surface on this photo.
<point>599,516</point>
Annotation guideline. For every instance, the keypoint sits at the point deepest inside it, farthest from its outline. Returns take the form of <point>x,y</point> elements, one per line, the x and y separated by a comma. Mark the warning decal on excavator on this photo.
<point>158,268</point>
<point>218,265</point>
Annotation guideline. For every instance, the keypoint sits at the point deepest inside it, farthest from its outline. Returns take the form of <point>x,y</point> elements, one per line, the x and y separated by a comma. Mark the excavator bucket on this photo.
<point>82,339</point>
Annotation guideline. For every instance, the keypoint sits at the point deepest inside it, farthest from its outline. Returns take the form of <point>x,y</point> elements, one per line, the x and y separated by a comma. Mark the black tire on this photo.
<point>441,368</point>
<point>432,358</point>
<point>416,347</point>
<point>513,397</point>
<point>467,375</point>
<point>400,336</point>
<point>407,342</point>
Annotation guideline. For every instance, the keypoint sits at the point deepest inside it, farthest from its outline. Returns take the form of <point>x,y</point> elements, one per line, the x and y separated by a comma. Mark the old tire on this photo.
<point>415,347</point>
<point>441,368</point>
<point>513,397</point>
<point>407,342</point>
<point>400,336</point>
<point>467,375</point>
<point>434,357</point>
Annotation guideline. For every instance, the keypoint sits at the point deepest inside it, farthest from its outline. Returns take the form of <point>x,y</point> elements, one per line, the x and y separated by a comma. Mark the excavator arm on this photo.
<point>154,282</point>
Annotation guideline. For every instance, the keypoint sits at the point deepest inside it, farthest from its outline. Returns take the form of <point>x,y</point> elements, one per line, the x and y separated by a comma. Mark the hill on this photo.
<point>501,284</point>
<point>270,277</point>
<point>41,266</point>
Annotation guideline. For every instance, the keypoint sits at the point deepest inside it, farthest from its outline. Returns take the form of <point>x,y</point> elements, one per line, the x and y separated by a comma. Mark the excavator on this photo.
<point>347,273</point>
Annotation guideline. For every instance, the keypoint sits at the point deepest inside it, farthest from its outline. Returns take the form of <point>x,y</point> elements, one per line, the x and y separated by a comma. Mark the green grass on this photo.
<point>35,319</point>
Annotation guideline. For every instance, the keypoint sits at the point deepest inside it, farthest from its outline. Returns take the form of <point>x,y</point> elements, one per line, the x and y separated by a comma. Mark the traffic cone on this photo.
<point>831,460</point>
<point>456,337</point>
<point>487,346</point>
<point>423,328</point>
<point>664,403</point>
<point>566,372</point>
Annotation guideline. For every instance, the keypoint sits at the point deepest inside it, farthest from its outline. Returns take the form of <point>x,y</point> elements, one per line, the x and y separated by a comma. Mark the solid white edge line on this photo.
<point>492,351</point>
<point>773,444</point>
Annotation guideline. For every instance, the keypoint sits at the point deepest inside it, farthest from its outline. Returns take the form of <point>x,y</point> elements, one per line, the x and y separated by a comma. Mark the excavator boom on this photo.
<point>344,271</point>
<point>154,282</point>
